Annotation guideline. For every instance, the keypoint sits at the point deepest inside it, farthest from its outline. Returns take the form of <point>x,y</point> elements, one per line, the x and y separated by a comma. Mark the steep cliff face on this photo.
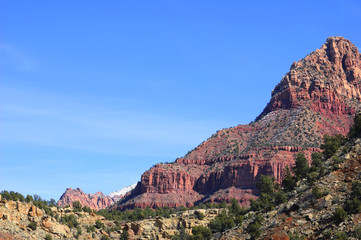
<point>94,201</point>
<point>319,95</point>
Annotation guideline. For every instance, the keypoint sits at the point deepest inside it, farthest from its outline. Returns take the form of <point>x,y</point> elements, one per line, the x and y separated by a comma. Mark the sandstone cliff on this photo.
<point>319,95</point>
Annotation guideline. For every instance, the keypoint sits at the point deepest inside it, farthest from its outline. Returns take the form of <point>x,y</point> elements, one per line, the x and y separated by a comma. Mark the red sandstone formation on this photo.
<point>94,201</point>
<point>319,95</point>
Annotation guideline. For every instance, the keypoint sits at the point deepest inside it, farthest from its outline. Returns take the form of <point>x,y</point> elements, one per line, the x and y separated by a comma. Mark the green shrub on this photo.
<point>48,237</point>
<point>301,168</point>
<point>289,182</point>
<point>99,224</point>
<point>265,202</point>
<point>199,215</point>
<point>86,209</point>
<point>317,164</point>
<point>266,185</point>
<point>340,236</point>
<point>316,192</point>
<point>357,233</point>
<point>32,225</point>
<point>70,220</point>
<point>90,229</point>
<point>124,235</point>
<point>254,228</point>
<point>296,236</point>
<point>221,223</point>
<point>356,190</point>
<point>353,205</point>
<point>104,237</point>
<point>280,197</point>
<point>331,144</point>
<point>205,232</point>
<point>355,130</point>
<point>235,208</point>
<point>335,161</point>
<point>339,215</point>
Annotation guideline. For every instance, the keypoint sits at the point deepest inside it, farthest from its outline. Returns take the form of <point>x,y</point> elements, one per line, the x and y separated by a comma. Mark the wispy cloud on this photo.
<point>16,58</point>
<point>42,118</point>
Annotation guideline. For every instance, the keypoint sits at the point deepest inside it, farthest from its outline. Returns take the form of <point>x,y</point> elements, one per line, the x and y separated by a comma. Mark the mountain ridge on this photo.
<point>94,201</point>
<point>319,95</point>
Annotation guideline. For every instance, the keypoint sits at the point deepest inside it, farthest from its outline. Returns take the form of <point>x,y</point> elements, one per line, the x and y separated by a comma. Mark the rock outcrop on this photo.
<point>319,95</point>
<point>94,201</point>
<point>15,217</point>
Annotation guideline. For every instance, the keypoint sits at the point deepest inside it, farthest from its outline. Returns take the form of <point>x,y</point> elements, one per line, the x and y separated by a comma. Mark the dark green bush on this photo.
<point>104,237</point>
<point>356,190</point>
<point>99,224</point>
<point>353,206</point>
<point>296,236</point>
<point>301,168</point>
<point>222,222</point>
<point>355,130</point>
<point>77,206</point>
<point>205,232</point>
<point>339,215</point>
<point>70,220</point>
<point>199,215</point>
<point>317,164</point>
<point>357,233</point>
<point>48,237</point>
<point>124,235</point>
<point>316,192</point>
<point>266,185</point>
<point>86,209</point>
<point>32,225</point>
<point>254,228</point>
<point>289,182</point>
<point>340,236</point>
<point>280,197</point>
<point>331,144</point>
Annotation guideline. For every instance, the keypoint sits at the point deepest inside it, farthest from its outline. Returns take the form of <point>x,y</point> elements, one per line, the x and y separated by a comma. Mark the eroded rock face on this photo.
<point>94,201</point>
<point>319,95</point>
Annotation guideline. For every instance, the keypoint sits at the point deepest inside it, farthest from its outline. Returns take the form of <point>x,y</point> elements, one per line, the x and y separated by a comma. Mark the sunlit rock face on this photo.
<point>319,95</point>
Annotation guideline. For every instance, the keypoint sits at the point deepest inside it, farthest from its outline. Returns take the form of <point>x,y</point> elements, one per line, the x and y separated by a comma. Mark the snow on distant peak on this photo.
<point>123,191</point>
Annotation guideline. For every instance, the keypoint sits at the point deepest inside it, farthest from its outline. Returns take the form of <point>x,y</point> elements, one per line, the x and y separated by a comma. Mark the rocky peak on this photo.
<point>331,74</point>
<point>94,201</point>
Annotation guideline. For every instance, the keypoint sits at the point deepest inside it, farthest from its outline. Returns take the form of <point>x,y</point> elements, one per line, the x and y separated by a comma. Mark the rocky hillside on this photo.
<point>22,220</point>
<point>329,208</point>
<point>319,95</point>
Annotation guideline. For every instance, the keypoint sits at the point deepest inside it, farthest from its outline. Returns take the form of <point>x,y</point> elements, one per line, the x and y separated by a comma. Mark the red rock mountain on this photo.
<point>319,95</point>
<point>94,201</point>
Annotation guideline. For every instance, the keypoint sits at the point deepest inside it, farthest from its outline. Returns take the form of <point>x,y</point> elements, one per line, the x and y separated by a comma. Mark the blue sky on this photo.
<point>93,93</point>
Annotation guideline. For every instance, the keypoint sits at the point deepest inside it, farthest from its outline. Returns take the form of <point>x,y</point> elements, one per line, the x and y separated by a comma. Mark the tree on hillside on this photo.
<point>331,144</point>
<point>301,168</point>
<point>355,130</point>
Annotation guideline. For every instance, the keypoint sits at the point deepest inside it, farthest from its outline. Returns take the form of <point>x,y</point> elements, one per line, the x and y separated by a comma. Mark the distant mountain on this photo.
<point>121,193</point>
<point>94,201</point>
<point>319,95</point>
